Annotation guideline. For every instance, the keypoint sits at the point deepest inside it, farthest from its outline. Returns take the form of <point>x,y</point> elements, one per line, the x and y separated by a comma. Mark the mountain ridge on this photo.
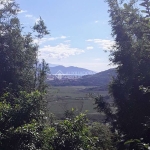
<point>101,79</point>
<point>71,70</point>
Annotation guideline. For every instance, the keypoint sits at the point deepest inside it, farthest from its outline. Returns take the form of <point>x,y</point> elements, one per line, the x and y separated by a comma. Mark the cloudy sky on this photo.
<point>79,31</point>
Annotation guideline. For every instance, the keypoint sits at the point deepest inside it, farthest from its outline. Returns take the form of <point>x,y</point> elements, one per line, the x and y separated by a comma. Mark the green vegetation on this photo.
<point>22,82</point>
<point>130,29</point>
<point>74,134</point>
<point>62,98</point>
<point>26,122</point>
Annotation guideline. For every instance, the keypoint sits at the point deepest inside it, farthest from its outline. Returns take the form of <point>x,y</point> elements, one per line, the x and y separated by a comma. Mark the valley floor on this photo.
<point>62,98</point>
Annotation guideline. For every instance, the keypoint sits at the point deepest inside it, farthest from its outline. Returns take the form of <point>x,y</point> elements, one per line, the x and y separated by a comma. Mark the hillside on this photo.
<point>100,79</point>
<point>70,70</point>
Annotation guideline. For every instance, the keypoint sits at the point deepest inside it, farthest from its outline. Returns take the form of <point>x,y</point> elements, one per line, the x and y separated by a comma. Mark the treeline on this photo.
<point>25,122</point>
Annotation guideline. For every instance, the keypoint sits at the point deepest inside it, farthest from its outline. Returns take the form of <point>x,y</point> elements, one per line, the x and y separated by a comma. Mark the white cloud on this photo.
<point>96,21</point>
<point>59,51</point>
<point>89,48</point>
<point>63,37</point>
<point>44,40</point>
<point>29,16</point>
<point>104,44</point>
<point>22,11</point>
<point>67,41</point>
<point>35,19</point>
<point>89,40</point>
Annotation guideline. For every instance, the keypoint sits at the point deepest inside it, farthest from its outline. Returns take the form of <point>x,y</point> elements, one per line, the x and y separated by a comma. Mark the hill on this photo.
<point>70,70</point>
<point>100,79</point>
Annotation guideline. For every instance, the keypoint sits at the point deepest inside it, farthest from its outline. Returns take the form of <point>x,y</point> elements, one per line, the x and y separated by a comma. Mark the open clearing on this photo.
<point>62,98</point>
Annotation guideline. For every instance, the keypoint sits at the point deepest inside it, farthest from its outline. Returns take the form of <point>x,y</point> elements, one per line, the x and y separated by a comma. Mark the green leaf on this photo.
<point>125,5</point>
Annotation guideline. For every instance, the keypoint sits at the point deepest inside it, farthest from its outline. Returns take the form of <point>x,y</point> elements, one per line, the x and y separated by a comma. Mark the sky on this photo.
<point>79,31</point>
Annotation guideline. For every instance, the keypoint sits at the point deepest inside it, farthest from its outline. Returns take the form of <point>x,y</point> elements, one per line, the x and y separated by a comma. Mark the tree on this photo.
<point>18,52</point>
<point>75,134</point>
<point>104,135</point>
<point>19,121</point>
<point>130,29</point>
<point>22,82</point>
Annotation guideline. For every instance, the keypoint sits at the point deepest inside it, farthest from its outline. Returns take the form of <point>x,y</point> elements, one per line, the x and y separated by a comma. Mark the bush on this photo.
<point>76,134</point>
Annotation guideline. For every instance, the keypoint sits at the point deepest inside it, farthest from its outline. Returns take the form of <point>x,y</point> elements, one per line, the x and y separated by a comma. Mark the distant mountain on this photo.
<point>52,65</point>
<point>100,79</point>
<point>70,70</point>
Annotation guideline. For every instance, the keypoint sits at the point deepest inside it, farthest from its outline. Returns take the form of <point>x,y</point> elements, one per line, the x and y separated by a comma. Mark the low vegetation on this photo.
<point>81,98</point>
<point>75,133</point>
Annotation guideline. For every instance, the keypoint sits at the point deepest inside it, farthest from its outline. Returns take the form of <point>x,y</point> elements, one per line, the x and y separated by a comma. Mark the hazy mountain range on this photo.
<point>70,70</point>
<point>101,79</point>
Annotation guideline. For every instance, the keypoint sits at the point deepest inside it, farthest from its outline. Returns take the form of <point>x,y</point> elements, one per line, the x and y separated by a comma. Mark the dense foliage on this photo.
<point>130,24</point>
<point>24,124</point>
<point>76,134</point>
<point>22,82</point>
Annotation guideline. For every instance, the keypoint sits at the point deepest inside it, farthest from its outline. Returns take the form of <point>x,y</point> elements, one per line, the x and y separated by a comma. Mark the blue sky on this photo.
<point>79,31</point>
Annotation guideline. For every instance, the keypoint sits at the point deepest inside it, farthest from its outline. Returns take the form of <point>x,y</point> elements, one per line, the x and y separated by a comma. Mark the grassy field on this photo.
<point>62,98</point>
